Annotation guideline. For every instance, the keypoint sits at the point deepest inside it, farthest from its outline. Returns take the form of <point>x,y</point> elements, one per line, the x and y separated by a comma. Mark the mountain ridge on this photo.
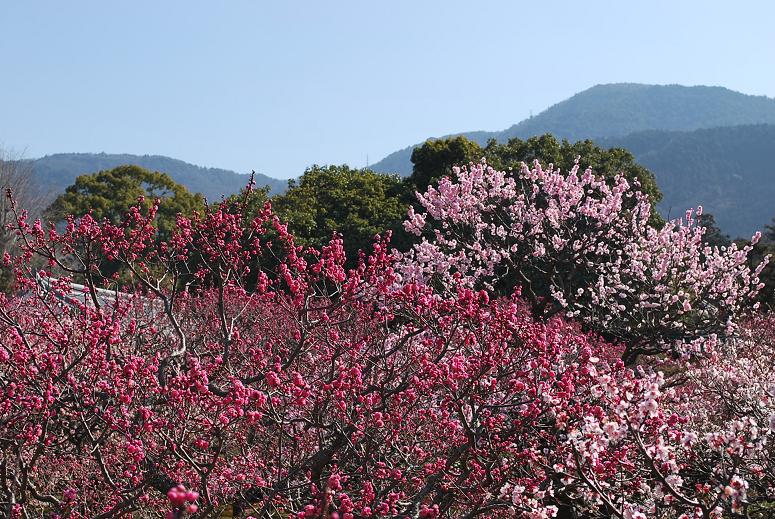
<point>56,171</point>
<point>729,170</point>
<point>618,109</point>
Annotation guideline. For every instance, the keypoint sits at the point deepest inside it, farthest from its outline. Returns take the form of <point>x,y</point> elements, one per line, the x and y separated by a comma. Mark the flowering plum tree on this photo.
<point>242,373</point>
<point>319,393</point>
<point>701,446</point>
<point>577,245</point>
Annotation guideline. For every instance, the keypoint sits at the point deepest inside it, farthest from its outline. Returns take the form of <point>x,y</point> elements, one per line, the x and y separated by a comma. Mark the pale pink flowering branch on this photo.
<point>574,244</point>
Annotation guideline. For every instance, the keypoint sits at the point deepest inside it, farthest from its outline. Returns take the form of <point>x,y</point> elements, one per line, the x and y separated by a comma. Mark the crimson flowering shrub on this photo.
<point>319,392</point>
<point>242,373</point>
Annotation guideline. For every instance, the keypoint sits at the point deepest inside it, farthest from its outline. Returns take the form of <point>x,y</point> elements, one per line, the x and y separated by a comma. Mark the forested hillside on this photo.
<point>615,110</point>
<point>620,109</point>
<point>55,172</point>
<point>729,170</point>
<point>705,145</point>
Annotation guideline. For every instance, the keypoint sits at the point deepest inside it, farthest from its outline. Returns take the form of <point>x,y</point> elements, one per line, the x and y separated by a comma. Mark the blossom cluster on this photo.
<point>575,244</point>
<point>237,372</point>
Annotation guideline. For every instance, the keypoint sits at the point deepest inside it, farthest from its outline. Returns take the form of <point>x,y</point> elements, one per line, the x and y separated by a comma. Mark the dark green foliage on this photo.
<point>111,193</point>
<point>547,149</point>
<point>765,247</point>
<point>435,158</point>
<point>357,203</point>
<point>250,200</point>
<point>56,172</point>
<point>766,295</point>
<point>713,235</point>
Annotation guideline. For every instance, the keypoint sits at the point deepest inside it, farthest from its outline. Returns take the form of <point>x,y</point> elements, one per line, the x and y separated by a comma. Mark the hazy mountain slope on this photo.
<point>620,109</point>
<point>55,172</point>
<point>730,171</point>
<point>616,110</point>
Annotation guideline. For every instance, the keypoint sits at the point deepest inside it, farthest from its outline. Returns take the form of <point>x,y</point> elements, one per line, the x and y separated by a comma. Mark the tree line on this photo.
<point>358,203</point>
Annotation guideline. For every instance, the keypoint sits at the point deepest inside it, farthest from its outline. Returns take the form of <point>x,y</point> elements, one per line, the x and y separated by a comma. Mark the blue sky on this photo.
<point>277,86</point>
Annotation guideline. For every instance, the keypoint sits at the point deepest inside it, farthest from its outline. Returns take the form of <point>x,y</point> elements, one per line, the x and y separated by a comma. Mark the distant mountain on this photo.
<point>730,171</point>
<point>55,172</point>
<point>616,110</point>
<point>620,109</point>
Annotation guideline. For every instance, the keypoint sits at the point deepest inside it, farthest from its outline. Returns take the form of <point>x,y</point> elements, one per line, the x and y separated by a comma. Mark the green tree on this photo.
<point>110,193</point>
<point>358,203</point>
<point>250,200</point>
<point>713,235</point>
<point>765,247</point>
<point>435,158</point>
<point>563,154</point>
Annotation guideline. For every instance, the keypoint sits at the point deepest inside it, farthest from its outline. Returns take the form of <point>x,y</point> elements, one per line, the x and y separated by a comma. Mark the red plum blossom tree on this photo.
<point>241,373</point>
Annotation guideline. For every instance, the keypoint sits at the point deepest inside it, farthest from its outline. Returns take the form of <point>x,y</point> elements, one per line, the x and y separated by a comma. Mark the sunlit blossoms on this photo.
<point>489,372</point>
<point>577,245</point>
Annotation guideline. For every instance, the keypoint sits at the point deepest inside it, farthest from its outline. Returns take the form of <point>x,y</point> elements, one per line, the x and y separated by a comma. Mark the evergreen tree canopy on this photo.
<point>435,159</point>
<point>110,193</point>
<point>358,203</point>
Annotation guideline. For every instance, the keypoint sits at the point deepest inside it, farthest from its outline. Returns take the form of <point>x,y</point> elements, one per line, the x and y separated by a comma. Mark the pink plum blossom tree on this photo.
<point>575,244</point>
